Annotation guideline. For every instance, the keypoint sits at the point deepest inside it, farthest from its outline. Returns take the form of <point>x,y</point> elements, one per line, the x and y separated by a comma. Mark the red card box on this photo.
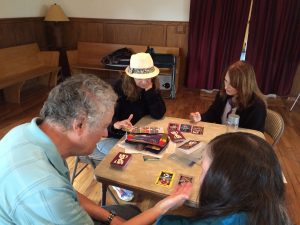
<point>120,160</point>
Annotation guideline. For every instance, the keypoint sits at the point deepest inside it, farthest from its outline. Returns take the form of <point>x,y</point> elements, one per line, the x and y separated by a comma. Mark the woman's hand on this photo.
<point>124,124</point>
<point>195,117</point>
<point>178,196</point>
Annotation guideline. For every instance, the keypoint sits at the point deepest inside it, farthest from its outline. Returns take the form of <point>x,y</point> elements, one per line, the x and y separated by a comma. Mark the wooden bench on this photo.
<point>88,57</point>
<point>19,64</point>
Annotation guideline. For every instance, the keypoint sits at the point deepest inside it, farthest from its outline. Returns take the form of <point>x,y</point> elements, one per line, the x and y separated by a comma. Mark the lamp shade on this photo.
<point>56,14</point>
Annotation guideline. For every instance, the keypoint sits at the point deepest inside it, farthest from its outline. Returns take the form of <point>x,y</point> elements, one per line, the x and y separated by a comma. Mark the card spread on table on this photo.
<point>165,179</point>
<point>197,130</point>
<point>173,126</point>
<point>185,128</point>
<point>176,136</point>
<point>185,179</point>
<point>147,130</point>
<point>120,160</point>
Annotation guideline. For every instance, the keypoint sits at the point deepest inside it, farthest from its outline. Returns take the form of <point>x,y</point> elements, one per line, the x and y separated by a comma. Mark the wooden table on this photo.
<point>141,176</point>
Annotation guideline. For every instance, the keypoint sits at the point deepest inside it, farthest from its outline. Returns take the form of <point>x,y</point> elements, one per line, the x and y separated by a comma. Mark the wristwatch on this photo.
<point>110,217</point>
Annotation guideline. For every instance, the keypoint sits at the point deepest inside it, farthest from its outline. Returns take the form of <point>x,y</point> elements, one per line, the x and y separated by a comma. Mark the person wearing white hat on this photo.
<point>138,95</point>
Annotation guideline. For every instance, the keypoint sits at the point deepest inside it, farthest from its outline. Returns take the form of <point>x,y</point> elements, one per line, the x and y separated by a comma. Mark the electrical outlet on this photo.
<point>165,82</point>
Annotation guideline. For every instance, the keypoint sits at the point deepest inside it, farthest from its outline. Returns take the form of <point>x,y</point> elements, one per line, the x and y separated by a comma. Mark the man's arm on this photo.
<point>95,211</point>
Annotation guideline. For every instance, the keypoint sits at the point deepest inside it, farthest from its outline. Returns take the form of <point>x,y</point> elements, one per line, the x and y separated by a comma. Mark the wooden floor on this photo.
<point>288,149</point>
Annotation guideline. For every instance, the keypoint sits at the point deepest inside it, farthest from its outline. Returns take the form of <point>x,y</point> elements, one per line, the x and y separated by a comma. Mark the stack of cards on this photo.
<point>188,128</point>
<point>120,160</point>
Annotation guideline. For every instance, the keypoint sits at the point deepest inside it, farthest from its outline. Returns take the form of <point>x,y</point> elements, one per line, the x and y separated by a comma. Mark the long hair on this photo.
<point>244,176</point>
<point>242,78</point>
<point>132,91</point>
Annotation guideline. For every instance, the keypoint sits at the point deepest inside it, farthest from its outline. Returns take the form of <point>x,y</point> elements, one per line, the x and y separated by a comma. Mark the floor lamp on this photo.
<point>54,18</point>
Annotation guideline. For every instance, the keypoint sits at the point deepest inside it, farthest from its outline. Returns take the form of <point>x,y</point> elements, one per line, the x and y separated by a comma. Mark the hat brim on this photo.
<point>142,76</point>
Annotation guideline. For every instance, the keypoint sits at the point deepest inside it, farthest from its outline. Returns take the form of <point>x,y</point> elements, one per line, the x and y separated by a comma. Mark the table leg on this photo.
<point>104,190</point>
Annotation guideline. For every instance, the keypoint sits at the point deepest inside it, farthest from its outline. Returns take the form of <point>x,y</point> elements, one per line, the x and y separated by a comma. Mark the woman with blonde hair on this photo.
<point>240,96</point>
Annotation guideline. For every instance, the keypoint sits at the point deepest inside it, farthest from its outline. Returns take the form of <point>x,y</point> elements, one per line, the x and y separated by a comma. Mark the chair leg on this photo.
<point>295,102</point>
<point>113,196</point>
<point>74,170</point>
<point>75,173</point>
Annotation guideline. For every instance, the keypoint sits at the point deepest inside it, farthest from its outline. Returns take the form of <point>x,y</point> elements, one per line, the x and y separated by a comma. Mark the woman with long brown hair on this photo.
<point>240,96</point>
<point>242,184</point>
<point>138,95</point>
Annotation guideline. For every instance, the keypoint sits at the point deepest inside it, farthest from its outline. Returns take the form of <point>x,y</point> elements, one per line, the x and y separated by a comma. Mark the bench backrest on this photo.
<point>19,59</point>
<point>17,62</point>
<point>91,53</point>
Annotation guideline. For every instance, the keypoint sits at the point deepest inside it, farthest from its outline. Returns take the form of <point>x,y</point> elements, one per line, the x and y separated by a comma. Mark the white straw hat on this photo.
<point>141,66</point>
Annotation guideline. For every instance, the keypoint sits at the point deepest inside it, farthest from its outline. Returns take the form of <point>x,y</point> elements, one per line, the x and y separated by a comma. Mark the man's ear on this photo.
<point>79,124</point>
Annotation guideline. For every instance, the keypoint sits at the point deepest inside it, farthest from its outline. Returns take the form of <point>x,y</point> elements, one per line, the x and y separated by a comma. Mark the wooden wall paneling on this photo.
<point>7,36</point>
<point>40,35</point>
<point>90,32</point>
<point>24,32</point>
<point>18,31</point>
<point>177,36</point>
<point>134,34</point>
<point>71,33</point>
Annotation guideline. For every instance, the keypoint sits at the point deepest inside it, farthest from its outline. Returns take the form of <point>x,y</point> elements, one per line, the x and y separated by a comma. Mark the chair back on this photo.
<point>274,125</point>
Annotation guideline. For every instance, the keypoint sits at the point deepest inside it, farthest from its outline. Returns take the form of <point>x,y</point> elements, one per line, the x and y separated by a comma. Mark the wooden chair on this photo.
<point>274,125</point>
<point>87,161</point>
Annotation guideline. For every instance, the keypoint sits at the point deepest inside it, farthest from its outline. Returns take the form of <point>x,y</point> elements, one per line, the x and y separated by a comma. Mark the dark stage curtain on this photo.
<point>216,34</point>
<point>274,44</point>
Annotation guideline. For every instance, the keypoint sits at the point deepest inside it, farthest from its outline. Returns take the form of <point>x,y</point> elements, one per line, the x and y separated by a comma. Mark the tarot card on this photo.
<point>176,136</point>
<point>185,179</point>
<point>189,144</point>
<point>185,128</point>
<point>197,130</point>
<point>173,126</point>
<point>120,160</point>
<point>165,179</point>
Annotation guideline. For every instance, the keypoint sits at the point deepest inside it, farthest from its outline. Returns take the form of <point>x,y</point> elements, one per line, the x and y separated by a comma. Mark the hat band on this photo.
<point>141,70</point>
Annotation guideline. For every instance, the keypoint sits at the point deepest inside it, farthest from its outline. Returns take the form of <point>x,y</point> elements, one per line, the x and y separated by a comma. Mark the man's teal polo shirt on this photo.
<point>34,181</point>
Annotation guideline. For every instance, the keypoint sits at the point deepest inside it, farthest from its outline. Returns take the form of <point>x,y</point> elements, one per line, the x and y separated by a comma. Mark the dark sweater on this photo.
<point>150,103</point>
<point>251,117</point>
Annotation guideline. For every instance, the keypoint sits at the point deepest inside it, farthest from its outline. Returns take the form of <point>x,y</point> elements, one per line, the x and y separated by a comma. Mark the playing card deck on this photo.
<point>165,179</point>
<point>120,160</point>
